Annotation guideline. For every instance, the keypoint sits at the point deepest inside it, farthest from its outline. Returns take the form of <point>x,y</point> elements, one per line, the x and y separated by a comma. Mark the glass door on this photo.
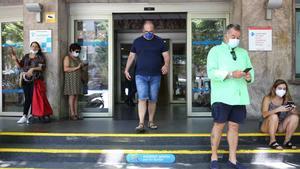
<point>178,74</point>
<point>95,38</point>
<point>12,97</point>
<point>204,32</point>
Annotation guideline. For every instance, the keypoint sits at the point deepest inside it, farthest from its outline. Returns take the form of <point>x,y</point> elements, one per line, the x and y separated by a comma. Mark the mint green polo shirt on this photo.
<point>230,91</point>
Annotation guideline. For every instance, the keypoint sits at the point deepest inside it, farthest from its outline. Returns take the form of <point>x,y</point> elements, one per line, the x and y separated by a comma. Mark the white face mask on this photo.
<point>75,54</point>
<point>33,51</point>
<point>280,92</point>
<point>233,43</point>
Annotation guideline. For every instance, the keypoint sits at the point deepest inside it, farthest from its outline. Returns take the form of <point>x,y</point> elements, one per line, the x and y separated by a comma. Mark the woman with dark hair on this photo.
<point>73,83</point>
<point>280,115</point>
<point>33,65</point>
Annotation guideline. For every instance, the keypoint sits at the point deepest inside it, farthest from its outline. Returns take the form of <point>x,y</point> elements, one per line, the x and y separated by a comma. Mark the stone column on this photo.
<point>271,65</point>
<point>54,71</point>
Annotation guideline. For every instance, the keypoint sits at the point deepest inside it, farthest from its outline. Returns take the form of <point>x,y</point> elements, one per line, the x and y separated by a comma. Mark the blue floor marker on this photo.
<point>151,158</point>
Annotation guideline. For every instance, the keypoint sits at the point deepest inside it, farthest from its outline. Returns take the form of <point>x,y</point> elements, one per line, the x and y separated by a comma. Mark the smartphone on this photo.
<point>247,70</point>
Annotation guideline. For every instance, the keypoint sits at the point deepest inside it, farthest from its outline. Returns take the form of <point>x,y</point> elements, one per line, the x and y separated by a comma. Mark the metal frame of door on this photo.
<point>106,10</point>
<point>108,17</point>
<point>191,16</point>
<point>8,14</point>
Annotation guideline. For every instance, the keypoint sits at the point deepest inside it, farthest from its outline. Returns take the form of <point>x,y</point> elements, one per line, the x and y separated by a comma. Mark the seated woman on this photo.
<point>280,115</point>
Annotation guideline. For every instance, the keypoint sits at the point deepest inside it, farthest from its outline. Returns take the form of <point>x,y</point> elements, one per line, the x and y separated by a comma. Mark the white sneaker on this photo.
<point>28,119</point>
<point>23,119</point>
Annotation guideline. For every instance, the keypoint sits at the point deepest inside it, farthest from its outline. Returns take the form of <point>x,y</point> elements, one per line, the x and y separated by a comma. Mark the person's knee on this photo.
<point>294,119</point>
<point>219,126</point>
<point>233,126</point>
<point>273,118</point>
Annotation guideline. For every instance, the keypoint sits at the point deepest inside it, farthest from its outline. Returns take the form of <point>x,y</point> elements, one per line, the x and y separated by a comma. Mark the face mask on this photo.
<point>280,92</point>
<point>75,54</point>
<point>233,43</point>
<point>33,51</point>
<point>148,35</point>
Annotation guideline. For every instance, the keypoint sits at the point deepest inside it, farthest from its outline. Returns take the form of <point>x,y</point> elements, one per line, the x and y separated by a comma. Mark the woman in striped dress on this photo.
<point>72,82</point>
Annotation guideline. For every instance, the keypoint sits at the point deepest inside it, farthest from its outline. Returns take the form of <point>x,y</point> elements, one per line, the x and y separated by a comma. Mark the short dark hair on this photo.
<point>74,46</point>
<point>148,21</point>
<point>236,27</point>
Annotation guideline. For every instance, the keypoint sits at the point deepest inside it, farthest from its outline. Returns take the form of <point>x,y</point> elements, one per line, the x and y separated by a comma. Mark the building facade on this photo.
<point>106,28</point>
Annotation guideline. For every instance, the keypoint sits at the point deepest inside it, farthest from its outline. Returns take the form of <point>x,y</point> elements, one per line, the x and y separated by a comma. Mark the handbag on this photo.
<point>22,78</point>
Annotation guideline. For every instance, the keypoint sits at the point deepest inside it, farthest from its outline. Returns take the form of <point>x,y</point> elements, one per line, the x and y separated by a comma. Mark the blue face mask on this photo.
<point>148,35</point>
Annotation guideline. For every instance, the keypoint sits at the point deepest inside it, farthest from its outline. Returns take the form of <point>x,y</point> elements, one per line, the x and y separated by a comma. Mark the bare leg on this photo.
<point>215,139</point>
<point>142,107</point>
<point>71,107</point>
<point>151,110</point>
<point>270,125</point>
<point>233,139</point>
<point>76,105</point>
<point>290,125</point>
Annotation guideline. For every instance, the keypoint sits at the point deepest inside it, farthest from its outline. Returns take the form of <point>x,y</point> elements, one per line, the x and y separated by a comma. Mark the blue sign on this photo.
<point>151,158</point>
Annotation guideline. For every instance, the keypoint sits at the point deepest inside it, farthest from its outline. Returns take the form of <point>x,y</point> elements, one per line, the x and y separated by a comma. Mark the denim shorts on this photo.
<point>147,87</point>
<point>222,113</point>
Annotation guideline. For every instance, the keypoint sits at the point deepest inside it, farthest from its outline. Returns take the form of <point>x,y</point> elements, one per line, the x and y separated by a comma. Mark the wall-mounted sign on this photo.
<point>50,17</point>
<point>260,38</point>
<point>43,37</point>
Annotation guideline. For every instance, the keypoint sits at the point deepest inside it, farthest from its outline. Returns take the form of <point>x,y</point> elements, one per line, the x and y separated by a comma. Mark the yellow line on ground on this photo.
<point>129,151</point>
<point>127,135</point>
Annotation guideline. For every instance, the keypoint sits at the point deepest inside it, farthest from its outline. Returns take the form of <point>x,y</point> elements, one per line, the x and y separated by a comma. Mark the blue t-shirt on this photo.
<point>149,59</point>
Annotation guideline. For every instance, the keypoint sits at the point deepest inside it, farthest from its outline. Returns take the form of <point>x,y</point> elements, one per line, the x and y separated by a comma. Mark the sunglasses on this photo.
<point>233,54</point>
<point>77,51</point>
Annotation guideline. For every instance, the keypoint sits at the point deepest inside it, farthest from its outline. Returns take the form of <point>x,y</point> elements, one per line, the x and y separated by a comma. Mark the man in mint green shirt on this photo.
<point>230,71</point>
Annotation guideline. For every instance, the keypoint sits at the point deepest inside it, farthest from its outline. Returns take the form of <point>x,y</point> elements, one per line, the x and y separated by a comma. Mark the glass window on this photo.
<point>206,33</point>
<point>179,71</point>
<point>12,94</point>
<point>92,35</point>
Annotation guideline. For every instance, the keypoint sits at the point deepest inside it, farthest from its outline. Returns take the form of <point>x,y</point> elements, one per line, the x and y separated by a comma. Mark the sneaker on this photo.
<point>236,166</point>
<point>28,121</point>
<point>214,164</point>
<point>22,120</point>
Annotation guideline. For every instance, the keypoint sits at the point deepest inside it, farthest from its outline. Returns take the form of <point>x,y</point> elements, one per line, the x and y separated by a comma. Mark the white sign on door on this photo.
<point>260,38</point>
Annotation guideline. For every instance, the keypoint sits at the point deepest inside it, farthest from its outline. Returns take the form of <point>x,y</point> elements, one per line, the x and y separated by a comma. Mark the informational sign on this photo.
<point>151,158</point>
<point>50,17</point>
<point>43,37</point>
<point>260,38</point>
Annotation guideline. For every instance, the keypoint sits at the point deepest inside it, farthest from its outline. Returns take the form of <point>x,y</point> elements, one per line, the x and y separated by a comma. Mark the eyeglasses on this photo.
<point>233,54</point>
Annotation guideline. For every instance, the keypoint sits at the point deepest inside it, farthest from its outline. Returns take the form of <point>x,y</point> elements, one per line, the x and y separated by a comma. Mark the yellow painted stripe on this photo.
<point>128,151</point>
<point>129,135</point>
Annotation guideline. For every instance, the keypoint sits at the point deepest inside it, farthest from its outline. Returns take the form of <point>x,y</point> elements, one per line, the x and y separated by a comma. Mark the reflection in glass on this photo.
<point>92,35</point>
<point>206,33</point>
<point>179,71</point>
<point>12,94</point>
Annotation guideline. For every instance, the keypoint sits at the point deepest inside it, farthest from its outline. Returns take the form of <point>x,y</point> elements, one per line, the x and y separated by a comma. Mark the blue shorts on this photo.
<point>147,87</point>
<point>223,113</point>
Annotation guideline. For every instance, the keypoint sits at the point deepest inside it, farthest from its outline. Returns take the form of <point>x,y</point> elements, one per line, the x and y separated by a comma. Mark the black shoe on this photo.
<point>214,164</point>
<point>236,166</point>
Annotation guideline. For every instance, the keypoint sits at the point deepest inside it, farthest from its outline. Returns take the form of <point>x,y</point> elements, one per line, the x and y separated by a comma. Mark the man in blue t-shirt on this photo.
<point>152,61</point>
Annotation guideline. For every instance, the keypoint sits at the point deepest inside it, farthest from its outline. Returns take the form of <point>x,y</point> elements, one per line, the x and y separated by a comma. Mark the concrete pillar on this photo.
<point>268,65</point>
<point>54,71</point>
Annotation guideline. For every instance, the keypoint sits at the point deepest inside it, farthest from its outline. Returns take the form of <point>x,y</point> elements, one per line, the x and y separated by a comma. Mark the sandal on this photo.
<point>289,145</point>
<point>140,128</point>
<point>275,146</point>
<point>152,125</point>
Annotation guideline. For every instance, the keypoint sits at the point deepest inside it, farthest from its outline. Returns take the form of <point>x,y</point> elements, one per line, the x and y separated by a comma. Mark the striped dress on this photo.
<point>72,82</point>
